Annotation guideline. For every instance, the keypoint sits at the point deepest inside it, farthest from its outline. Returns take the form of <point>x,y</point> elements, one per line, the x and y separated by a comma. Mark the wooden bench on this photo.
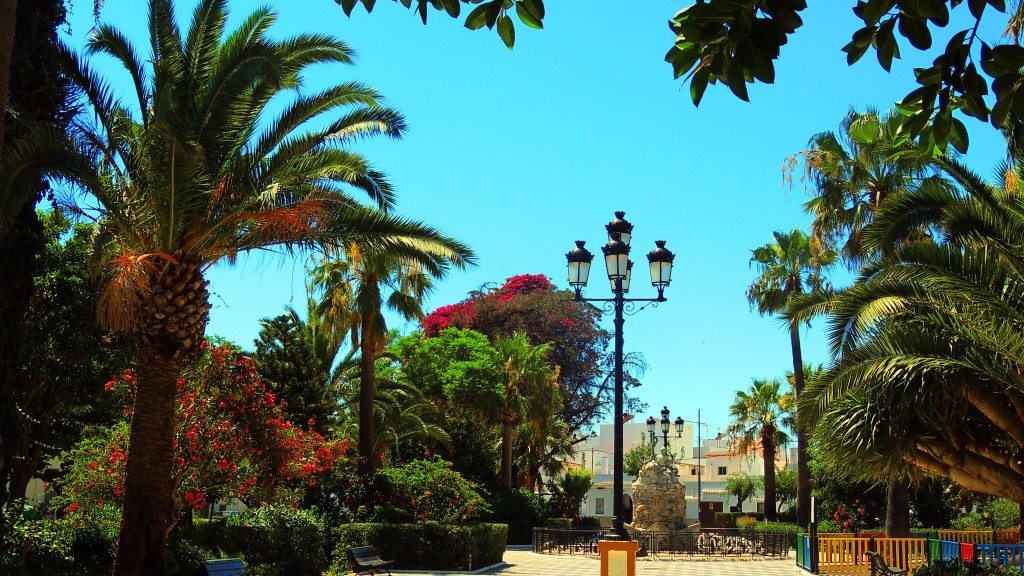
<point>365,559</point>
<point>880,568</point>
<point>224,567</point>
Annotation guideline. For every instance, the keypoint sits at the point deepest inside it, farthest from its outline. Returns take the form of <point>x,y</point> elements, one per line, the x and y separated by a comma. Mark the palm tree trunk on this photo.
<point>367,396</point>
<point>897,510</point>
<point>506,453</point>
<point>770,507</point>
<point>170,327</point>
<point>149,484</point>
<point>803,469</point>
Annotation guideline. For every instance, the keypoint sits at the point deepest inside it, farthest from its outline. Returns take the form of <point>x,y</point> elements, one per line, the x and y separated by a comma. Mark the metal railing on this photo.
<point>707,542</point>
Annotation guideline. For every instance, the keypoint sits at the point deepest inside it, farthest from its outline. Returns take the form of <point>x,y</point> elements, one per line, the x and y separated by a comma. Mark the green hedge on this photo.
<point>424,545</point>
<point>728,519</point>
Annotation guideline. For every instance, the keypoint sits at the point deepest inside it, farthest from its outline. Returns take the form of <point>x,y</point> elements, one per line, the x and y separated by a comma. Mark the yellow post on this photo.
<point>618,558</point>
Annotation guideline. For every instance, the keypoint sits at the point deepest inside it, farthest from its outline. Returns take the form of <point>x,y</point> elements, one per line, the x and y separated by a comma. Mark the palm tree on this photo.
<point>531,393</point>
<point>402,415</point>
<point>199,168</point>
<point>857,171</point>
<point>855,175</point>
<point>790,266</point>
<point>353,288</point>
<point>928,342</point>
<point>760,415</point>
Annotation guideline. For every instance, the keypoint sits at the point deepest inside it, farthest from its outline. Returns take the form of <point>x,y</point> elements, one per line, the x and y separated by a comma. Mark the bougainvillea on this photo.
<point>231,442</point>
<point>529,303</point>
<point>452,316</point>
<point>523,284</point>
<point>428,489</point>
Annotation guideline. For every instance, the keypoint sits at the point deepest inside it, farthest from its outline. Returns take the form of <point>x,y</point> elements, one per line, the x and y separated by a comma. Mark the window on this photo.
<point>760,507</point>
<point>721,471</point>
<point>598,506</point>
<point>693,471</point>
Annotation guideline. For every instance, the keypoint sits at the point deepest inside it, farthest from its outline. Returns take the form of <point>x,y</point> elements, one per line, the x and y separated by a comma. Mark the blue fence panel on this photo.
<point>949,550</point>
<point>804,553</point>
<point>1003,554</point>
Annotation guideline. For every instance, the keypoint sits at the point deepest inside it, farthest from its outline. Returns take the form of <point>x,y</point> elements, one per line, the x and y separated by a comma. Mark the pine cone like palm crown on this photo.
<point>174,310</point>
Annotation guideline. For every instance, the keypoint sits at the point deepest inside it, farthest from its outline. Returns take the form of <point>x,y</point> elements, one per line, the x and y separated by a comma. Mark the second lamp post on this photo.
<point>616,259</point>
<point>665,423</point>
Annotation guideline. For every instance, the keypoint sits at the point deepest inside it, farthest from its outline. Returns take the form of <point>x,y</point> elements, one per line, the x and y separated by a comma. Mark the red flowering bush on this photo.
<point>523,284</point>
<point>231,442</point>
<point>854,518</point>
<point>529,303</point>
<point>452,316</point>
<point>428,489</point>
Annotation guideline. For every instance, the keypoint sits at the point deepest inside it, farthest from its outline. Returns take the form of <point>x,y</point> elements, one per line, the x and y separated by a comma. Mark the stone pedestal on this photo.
<point>659,499</point>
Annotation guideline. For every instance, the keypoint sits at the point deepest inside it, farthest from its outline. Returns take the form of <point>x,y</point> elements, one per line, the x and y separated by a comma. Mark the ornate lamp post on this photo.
<point>652,422</point>
<point>616,259</point>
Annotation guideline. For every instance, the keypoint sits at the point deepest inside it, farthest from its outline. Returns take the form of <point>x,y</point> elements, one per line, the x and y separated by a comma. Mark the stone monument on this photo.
<point>659,499</point>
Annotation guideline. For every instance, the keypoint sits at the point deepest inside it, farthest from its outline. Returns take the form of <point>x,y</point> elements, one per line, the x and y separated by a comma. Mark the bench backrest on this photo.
<point>878,565</point>
<point>224,567</point>
<point>364,553</point>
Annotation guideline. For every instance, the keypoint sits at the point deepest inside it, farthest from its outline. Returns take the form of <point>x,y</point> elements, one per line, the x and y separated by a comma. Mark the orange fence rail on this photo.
<point>1007,536</point>
<point>906,553</point>
<point>843,556</point>
<point>846,555</point>
<point>968,536</point>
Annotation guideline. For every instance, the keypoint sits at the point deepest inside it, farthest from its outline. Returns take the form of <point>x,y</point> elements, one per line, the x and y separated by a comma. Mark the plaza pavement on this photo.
<point>526,563</point>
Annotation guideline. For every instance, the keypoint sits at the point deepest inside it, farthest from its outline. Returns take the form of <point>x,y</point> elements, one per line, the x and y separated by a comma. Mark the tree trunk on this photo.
<point>149,485</point>
<point>897,510</point>
<point>367,396</point>
<point>169,328</point>
<point>506,453</point>
<point>8,16</point>
<point>770,507</point>
<point>19,244</point>
<point>1020,522</point>
<point>803,469</point>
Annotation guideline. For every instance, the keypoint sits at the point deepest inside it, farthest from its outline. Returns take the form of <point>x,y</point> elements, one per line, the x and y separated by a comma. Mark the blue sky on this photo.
<point>519,153</point>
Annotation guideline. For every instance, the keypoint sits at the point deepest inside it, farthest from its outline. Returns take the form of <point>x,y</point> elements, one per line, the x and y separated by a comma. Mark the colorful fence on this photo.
<point>844,553</point>
<point>803,551</point>
<point>1004,554</point>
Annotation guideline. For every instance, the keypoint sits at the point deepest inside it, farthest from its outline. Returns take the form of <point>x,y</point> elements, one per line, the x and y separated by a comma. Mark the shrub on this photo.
<point>567,492</point>
<point>828,527</point>
<point>958,568</point>
<point>425,545</point>
<point>589,522</point>
<point>65,546</point>
<point>792,528</point>
<point>1004,513</point>
<point>746,523</point>
<point>429,489</point>
<point>971,521</point>
<point>278,540</point>
<point>728,519</point>
<point>563,523</point>
<point>521,510</point>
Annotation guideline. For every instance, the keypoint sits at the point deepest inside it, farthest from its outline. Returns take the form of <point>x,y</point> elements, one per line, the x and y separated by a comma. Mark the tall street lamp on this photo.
<point>616,259</point>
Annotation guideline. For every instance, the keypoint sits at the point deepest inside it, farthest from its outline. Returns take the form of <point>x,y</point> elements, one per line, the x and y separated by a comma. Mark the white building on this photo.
<point>712,463</point>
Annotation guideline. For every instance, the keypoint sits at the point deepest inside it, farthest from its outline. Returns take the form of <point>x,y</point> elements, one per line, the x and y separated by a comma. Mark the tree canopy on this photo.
<point>736,42</point>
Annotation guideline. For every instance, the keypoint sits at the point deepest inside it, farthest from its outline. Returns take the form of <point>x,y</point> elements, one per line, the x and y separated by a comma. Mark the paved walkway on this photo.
<point>524,563</point>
